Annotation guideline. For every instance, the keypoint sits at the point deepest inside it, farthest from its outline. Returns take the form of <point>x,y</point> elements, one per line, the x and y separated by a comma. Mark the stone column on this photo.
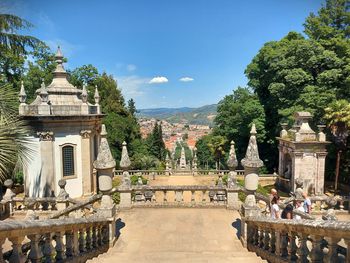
<point>296,169</point>
<point>47,182</point>
<point>167,165</point>
<point>251,163</point>
<point>105,164</point>
<point>232,188</point>
<point>86,162</point>
<point>319,180</point>
<point>194,162</point>
<point>125,194</point>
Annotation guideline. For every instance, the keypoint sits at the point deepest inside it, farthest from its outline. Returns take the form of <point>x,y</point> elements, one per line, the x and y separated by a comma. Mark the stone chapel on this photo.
<point>65,137</point>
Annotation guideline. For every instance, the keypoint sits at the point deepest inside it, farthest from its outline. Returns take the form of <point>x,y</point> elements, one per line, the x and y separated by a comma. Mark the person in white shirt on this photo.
<point>275,210</point>
<point>300,208</point>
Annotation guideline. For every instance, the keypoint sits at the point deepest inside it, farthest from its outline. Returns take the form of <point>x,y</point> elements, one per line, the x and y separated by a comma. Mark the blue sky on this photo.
<point>165,53</point>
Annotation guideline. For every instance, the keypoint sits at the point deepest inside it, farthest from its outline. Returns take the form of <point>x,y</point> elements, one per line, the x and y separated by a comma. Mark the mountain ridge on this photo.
<point>203,115</point>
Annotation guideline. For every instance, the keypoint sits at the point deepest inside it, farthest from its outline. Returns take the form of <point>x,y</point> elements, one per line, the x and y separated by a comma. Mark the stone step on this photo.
<point>178,257</point>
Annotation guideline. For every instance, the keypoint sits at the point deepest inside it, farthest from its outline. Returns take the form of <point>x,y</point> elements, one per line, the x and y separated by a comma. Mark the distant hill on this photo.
<point>203,115</point>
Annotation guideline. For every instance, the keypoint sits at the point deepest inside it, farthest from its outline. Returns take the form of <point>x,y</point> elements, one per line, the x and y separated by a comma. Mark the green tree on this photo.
<point>205,157</point>
<point>132,107</point>
<point>15,148</point>
<point>235,115</point>
<point>155,142</point>
<point>14,47</point>
<point>338,119</point>
<point>216,147</point>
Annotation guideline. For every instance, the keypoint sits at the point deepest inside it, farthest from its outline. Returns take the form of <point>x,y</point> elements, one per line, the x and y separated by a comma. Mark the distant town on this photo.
<point>173,132</point>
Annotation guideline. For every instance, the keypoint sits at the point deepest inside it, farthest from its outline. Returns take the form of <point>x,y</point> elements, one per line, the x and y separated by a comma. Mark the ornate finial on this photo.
<point>252,158</point>
<point>59,72</point>
<point>43,92</point>
<point>22,96</point>
<point>232,159</point>
<point>104,159</point>
<point>84,95</point>
<point>125,160</point>
<point>58,54</point>
<point>96,96</point>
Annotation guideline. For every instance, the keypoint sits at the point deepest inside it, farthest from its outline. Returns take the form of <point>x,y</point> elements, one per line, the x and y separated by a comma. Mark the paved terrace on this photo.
<point>178,235</point>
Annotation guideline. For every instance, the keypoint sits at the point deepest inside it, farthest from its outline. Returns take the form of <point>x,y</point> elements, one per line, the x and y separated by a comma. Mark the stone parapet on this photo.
<point>276,240</point>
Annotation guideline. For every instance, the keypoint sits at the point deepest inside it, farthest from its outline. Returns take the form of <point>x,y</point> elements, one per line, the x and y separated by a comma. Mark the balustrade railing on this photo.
<point>56,240</point>
<point>298,240</point>
<point>174,172</point>
<point>169,195</point>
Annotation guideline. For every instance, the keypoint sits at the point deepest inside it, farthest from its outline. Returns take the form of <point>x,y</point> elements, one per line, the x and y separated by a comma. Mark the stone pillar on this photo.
<point>167,165</point>
<point>232,188</point>
<point>105,164</point>
<point>86,162</point>
<point>251,163</point>
<point>125,194</point>
<point>319,181</point>
<point>194,162</point>
<point>47,182</point>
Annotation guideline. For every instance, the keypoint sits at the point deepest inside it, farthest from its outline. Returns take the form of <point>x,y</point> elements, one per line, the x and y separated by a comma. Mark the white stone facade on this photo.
<point>64,123</point>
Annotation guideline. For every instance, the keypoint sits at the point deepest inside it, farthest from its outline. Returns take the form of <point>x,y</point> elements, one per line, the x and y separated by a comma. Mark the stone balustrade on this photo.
<point>56,240</point>
<point>149,173</point>
<point>297,240</point>
<point>180,196</point>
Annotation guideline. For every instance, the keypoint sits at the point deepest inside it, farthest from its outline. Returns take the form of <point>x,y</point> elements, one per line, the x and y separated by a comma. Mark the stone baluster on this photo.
<point>178,196</point>
<point>165,199</point>
<point>250,237</point>
<point>303,250</point>
<point>193,196</point>
<point>48,250</point>
<point>256,236</point>
<point>278,243</point>
<point>316,251</point>
<point>332,255</point>
<point>261,238</point>
<point>341,204</point>
<point>284,244</point>
<point>273,242</point>
<point>88,239</point>
<point>99,235</point>
<point>69,244</point>
<point>60,247</point>
<point>75,243</point>
<point>292,247</point>
<point>94,237</point>
<point>81,240</point>
<point>17,254</point>
<point>267,239</point>
<point>204,198</point>
<point>35,254</point>
<point>105,234</point>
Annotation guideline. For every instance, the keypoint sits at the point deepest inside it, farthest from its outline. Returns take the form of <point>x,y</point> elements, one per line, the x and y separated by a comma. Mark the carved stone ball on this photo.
<point>8,183</point>
<point>62,183</point>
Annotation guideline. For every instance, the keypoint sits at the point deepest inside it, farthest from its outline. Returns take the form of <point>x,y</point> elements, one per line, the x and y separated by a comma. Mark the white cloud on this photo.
<point>158,80</point>
<point>131,67</point>
<point>132,86</point>
<point>186,79</point>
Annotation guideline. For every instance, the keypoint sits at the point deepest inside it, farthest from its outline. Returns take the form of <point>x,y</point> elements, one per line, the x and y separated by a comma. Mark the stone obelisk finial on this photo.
<point>252,161</point>
<point>105,165</point>
<point>232,164</point>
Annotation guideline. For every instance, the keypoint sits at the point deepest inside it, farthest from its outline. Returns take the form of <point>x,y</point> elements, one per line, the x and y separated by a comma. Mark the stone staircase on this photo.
<point>178,235</point>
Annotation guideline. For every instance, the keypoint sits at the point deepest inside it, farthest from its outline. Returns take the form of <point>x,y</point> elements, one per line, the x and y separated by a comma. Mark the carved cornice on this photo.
<point>46,136</point>
<point>85,134</point>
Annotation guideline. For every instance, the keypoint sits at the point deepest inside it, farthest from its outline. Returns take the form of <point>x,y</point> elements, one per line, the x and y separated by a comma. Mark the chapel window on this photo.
<point>68,160</point>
